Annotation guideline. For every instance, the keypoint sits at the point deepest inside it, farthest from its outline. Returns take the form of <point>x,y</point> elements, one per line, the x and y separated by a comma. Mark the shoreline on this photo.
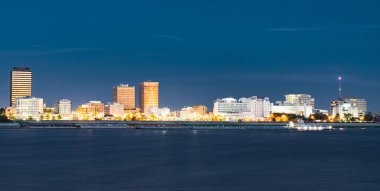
<point>164,124</point>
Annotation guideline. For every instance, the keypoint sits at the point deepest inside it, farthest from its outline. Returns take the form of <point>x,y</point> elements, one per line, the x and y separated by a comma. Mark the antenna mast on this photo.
<point>340,86</point>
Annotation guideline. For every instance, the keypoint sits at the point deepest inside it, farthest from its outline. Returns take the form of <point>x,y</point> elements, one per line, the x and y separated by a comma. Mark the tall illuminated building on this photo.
<point>148,95</point>
<point>21,83</point>
<point>125,95</point>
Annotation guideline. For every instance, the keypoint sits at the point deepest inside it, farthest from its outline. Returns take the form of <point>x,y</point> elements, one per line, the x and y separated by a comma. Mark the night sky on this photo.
<point>198,50</point>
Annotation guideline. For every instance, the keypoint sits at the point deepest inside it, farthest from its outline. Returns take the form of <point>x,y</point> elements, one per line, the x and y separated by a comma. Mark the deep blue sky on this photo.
<point>198,50</point>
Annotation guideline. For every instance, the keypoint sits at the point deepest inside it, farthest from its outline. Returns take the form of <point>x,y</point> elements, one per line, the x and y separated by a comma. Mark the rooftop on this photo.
<point>21,69</point>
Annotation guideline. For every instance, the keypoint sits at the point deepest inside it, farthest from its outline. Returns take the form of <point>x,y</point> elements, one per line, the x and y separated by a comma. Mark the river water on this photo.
<point>148,159</point>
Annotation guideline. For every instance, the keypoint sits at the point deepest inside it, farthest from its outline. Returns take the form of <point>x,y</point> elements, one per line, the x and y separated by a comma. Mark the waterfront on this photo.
<point>129,159</point>
<point>168,124</point>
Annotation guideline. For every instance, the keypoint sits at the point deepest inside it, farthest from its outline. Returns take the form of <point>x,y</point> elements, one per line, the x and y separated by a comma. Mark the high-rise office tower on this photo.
<point>125,95</point>
<point>21,83</point>
<point>148,95</point>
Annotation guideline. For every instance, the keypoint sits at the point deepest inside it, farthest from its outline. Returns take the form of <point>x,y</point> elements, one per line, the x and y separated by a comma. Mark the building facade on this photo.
<point>298,104</point>
<point>299,100</point>
<point>148,95</point>
<point>159,112</point>
<point>193,113</point>
<point>21,84</point>
<point>125,95</point>
<point>260,107</point>
<point>114,109</point>
<point>62,107</point>
<point>229,106</point>
<point>297,110</point>
<point>200,109</point>
<point>252,108</point>
<point>354,106</point>
<point>187,113</point>
<point>90,111</point>
<point>28,108</point>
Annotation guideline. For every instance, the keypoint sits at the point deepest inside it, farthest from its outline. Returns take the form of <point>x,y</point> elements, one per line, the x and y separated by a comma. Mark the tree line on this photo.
<point>3,116</point>
<point>321,117</point>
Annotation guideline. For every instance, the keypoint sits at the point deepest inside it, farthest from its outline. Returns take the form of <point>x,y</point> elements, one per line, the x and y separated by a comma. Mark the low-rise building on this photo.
<point>231,109</point>
<point>62,107</point>
<point>297,110</point>
<point>188,113</point>
<point>114,109</point>
<point>260,107</point>
<point>159,112</point>
<point>200,109</point>
<point>90,111</point>
<point>352,106</point>
<point>252,108</point>
<point>194,113</point>
<point>299,100</point>
<point>28,108</point>
<point>298,104</point>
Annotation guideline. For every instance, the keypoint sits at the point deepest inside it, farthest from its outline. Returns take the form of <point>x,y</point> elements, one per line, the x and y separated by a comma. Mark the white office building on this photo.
<point>299,100</point>
<point>159,112</point>
<point>260,107</point>
<point>354,106</point>
<point>297,110</point>
<point>252,108</point>
<point>63,107</point>
<point>231,109</point>
<point>29,108</point>
<point>298,104</point>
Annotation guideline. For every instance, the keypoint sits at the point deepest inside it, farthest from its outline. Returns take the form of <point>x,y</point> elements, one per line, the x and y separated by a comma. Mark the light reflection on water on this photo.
<point>189,159</point>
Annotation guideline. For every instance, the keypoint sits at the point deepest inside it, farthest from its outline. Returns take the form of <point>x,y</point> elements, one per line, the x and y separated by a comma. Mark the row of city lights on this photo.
<point>124,109</point>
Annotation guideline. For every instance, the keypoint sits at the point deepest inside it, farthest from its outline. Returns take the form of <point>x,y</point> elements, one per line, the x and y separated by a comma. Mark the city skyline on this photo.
<point>137,99</point>
<point>189,95</point>
<point>124,106</point>
<point>197,56</point>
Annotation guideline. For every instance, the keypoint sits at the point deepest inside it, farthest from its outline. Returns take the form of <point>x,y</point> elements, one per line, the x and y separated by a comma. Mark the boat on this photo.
<point>301,126</point>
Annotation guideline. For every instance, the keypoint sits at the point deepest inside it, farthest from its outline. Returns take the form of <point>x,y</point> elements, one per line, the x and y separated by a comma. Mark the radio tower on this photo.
<point>340,86</point>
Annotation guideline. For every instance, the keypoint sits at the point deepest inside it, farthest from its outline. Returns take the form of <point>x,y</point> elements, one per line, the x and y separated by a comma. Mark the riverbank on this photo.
<point>161,124</point>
